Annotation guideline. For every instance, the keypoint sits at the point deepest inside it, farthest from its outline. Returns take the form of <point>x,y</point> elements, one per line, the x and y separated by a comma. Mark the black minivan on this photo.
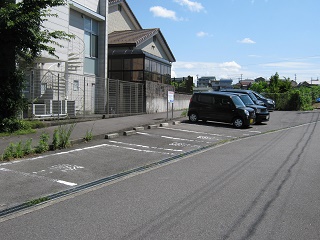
<point>220,107</point>
<point>244,91</point>
<point>262,113</point>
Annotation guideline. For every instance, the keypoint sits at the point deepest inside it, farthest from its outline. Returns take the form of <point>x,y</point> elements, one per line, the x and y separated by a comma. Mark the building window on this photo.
<point>139,69</point>
<point>91,30</point>
<point>76,85</point>
<point>43,88</point>
<point>159,72</point>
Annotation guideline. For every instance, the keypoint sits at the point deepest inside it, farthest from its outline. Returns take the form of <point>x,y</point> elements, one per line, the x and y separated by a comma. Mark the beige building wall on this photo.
<point>118,20</point>
<point>154,48</point>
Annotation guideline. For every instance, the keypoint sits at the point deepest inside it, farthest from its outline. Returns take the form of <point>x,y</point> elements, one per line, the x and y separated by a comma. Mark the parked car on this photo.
<point>220,107</point>
<point>262,113</point>
<point>249,92</point>
<point>269,103</point>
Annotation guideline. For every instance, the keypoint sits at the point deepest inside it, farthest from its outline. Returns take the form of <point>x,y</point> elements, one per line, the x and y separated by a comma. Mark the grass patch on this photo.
<point>14,127</point>
<point>18,132</point>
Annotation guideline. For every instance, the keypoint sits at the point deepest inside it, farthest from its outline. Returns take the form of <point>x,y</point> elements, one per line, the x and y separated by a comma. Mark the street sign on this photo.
<point>170,96</point>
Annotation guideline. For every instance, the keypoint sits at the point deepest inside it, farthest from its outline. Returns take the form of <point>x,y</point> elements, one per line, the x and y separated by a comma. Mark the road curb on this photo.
<point>129,133</point>
<point>111,135</point>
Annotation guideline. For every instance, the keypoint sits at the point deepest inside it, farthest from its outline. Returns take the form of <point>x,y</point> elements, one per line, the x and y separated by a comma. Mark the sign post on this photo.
<point>170,100</point>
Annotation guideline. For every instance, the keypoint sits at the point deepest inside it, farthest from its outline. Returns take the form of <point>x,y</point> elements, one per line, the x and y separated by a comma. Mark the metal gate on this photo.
<point>125,98</point>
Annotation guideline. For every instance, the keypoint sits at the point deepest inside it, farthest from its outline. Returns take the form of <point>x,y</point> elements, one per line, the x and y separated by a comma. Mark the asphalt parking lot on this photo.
<point>35,177</point>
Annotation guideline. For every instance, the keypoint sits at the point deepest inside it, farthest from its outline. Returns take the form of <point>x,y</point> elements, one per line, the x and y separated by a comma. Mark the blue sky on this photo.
<point>238,38</point>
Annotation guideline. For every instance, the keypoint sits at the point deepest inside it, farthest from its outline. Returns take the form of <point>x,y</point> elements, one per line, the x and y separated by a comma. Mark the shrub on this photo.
<point>36,124</point>
<point>13,124</point>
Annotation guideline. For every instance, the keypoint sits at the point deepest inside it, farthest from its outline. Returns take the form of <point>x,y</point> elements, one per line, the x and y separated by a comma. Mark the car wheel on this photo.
<point>193,117</point>
<point>238,122</point>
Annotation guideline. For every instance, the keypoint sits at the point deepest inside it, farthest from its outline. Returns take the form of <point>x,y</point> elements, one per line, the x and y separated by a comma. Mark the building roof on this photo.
<point>131,37</point>
<point>134,38</point>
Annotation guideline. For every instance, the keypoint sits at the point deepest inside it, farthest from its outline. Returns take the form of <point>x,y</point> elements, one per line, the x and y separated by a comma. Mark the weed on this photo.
<point>55,140</point>
<point>184,113</point>
<point>37,201</point>
<point>27,148</point>
<point>19,150</point>
<point>9,152</point>
<point>89,135</point>
<point>64,134</point>
<point>43,143</point>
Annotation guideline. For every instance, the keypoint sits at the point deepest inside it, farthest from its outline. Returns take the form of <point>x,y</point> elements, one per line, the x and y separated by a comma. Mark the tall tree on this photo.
<point>22,38</point>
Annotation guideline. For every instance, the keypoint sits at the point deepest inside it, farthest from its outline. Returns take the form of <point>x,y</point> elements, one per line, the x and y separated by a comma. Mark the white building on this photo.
<point>104,32</point>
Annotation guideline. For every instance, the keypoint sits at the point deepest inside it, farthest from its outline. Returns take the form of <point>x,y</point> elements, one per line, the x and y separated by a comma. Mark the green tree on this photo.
<point>23,38</point>
<point>259,86</point>
<point>260,79</point>
<point>285,86</point>
<point>274,83</point>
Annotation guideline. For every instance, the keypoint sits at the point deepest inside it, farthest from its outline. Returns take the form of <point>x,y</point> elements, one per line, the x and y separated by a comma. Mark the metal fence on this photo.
<point>53,94</point>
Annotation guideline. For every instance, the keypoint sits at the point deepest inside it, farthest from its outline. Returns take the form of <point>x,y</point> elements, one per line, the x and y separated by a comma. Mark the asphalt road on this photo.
<point>256,183</point>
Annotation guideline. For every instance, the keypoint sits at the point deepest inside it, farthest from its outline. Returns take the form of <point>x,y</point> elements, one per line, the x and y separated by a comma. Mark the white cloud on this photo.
<point>295,65</point>
<point>299,70</point>
<point>193,6</point>
<point>247,41</point>
<point>202,34</point>
<point>159,11</point>
<point>230,66</point>
<point>219,70</point>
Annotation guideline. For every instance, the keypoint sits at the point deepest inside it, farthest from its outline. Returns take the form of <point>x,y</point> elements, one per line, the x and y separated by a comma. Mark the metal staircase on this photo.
<point>75,56</point>
<point>54,86</point>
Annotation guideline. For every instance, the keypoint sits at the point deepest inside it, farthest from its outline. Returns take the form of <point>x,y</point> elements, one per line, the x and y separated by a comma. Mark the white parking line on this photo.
<point>190,131</point>
<point>255,131</point>
<point>37,176</point>
<point>144,146</point>
<point>184,139</point>
<point>71,151</point>
<point>173,138</point>
<point>66,183</point>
